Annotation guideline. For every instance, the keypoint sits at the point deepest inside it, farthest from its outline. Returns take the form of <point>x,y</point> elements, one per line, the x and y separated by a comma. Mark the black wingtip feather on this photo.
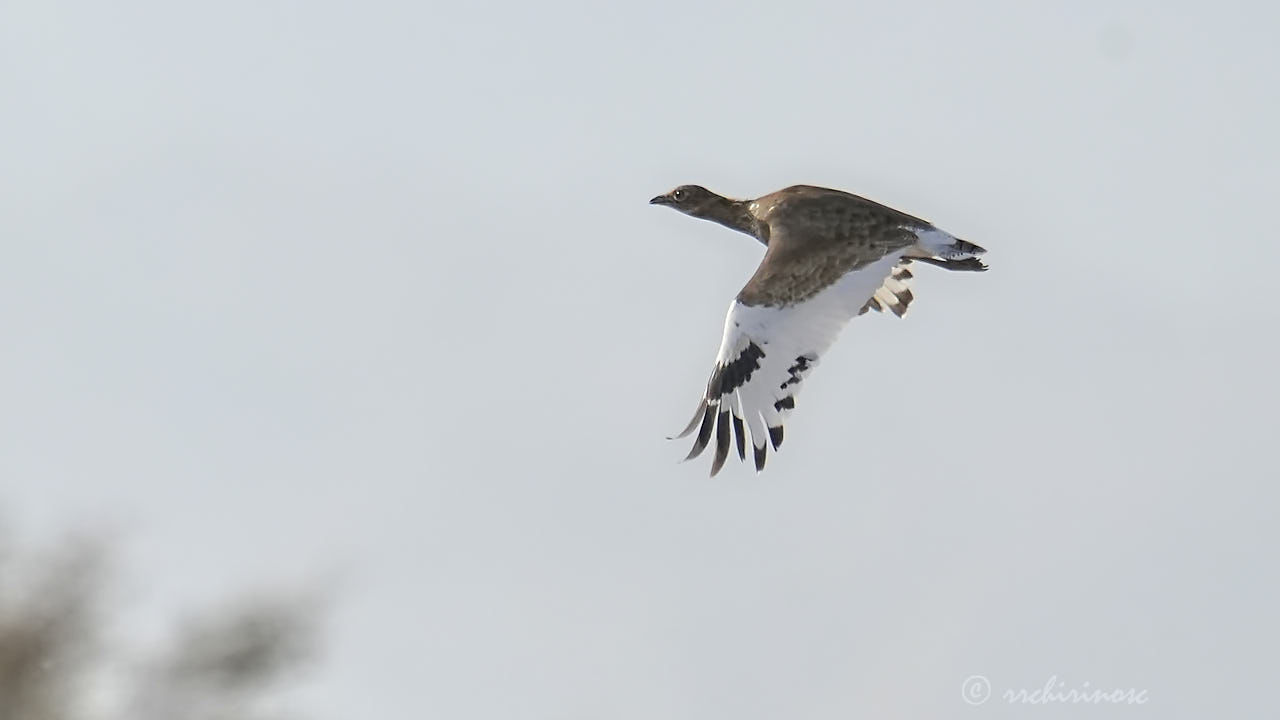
<point>775,436</point>
<point>722,442</point>
<point>693,422</point>
<point>761,452</point>
<point>740,433</point>
<point>704,433</point>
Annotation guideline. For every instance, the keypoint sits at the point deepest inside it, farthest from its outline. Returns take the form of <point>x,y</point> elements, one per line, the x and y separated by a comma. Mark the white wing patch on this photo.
<point>766,354</point>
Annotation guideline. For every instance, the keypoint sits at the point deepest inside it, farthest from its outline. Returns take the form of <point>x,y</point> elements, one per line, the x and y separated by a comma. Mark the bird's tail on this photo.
<point>936,247</point>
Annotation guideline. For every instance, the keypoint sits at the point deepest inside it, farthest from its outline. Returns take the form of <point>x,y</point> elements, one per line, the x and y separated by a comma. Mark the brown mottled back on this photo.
<point>816,235</point>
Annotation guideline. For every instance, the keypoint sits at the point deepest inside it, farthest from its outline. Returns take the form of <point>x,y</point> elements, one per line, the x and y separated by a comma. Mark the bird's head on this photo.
<point>689,199</point>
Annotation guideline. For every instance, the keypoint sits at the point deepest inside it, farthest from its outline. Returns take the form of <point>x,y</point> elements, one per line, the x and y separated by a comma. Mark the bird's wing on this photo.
<point>895,294</point>
<point>769,349</point>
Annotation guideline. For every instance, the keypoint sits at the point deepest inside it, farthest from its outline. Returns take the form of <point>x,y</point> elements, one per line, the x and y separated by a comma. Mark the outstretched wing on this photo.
<point>767,352</point>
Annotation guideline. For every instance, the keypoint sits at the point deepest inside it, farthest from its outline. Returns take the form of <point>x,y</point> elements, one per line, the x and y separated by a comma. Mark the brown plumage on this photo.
<point>814,235</point>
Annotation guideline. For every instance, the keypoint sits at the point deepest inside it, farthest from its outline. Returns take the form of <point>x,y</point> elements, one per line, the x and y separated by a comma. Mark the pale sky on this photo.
<point>371,293</point>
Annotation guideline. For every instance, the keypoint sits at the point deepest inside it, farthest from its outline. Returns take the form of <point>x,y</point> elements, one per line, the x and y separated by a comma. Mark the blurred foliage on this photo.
<point>225,664</point>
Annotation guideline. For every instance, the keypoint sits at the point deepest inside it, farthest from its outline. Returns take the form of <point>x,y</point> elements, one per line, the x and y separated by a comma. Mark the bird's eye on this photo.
<point>678,195</point>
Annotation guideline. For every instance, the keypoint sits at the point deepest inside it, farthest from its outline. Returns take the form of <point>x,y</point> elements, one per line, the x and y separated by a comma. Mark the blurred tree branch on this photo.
<point>222,665</point>
<point>48,629</point>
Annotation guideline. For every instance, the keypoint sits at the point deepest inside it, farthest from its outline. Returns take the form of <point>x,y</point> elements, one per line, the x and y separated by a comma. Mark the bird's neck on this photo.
<point>735,215</point>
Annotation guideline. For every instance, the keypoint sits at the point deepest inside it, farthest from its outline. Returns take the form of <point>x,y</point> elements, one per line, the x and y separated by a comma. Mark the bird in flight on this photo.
<point>829,256</point>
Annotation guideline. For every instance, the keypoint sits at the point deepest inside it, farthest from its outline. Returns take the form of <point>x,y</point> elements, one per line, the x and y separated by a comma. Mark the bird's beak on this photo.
<point>660,200</point>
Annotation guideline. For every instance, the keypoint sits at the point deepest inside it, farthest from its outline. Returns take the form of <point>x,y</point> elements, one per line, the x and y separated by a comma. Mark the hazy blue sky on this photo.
<point>370,292</point>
